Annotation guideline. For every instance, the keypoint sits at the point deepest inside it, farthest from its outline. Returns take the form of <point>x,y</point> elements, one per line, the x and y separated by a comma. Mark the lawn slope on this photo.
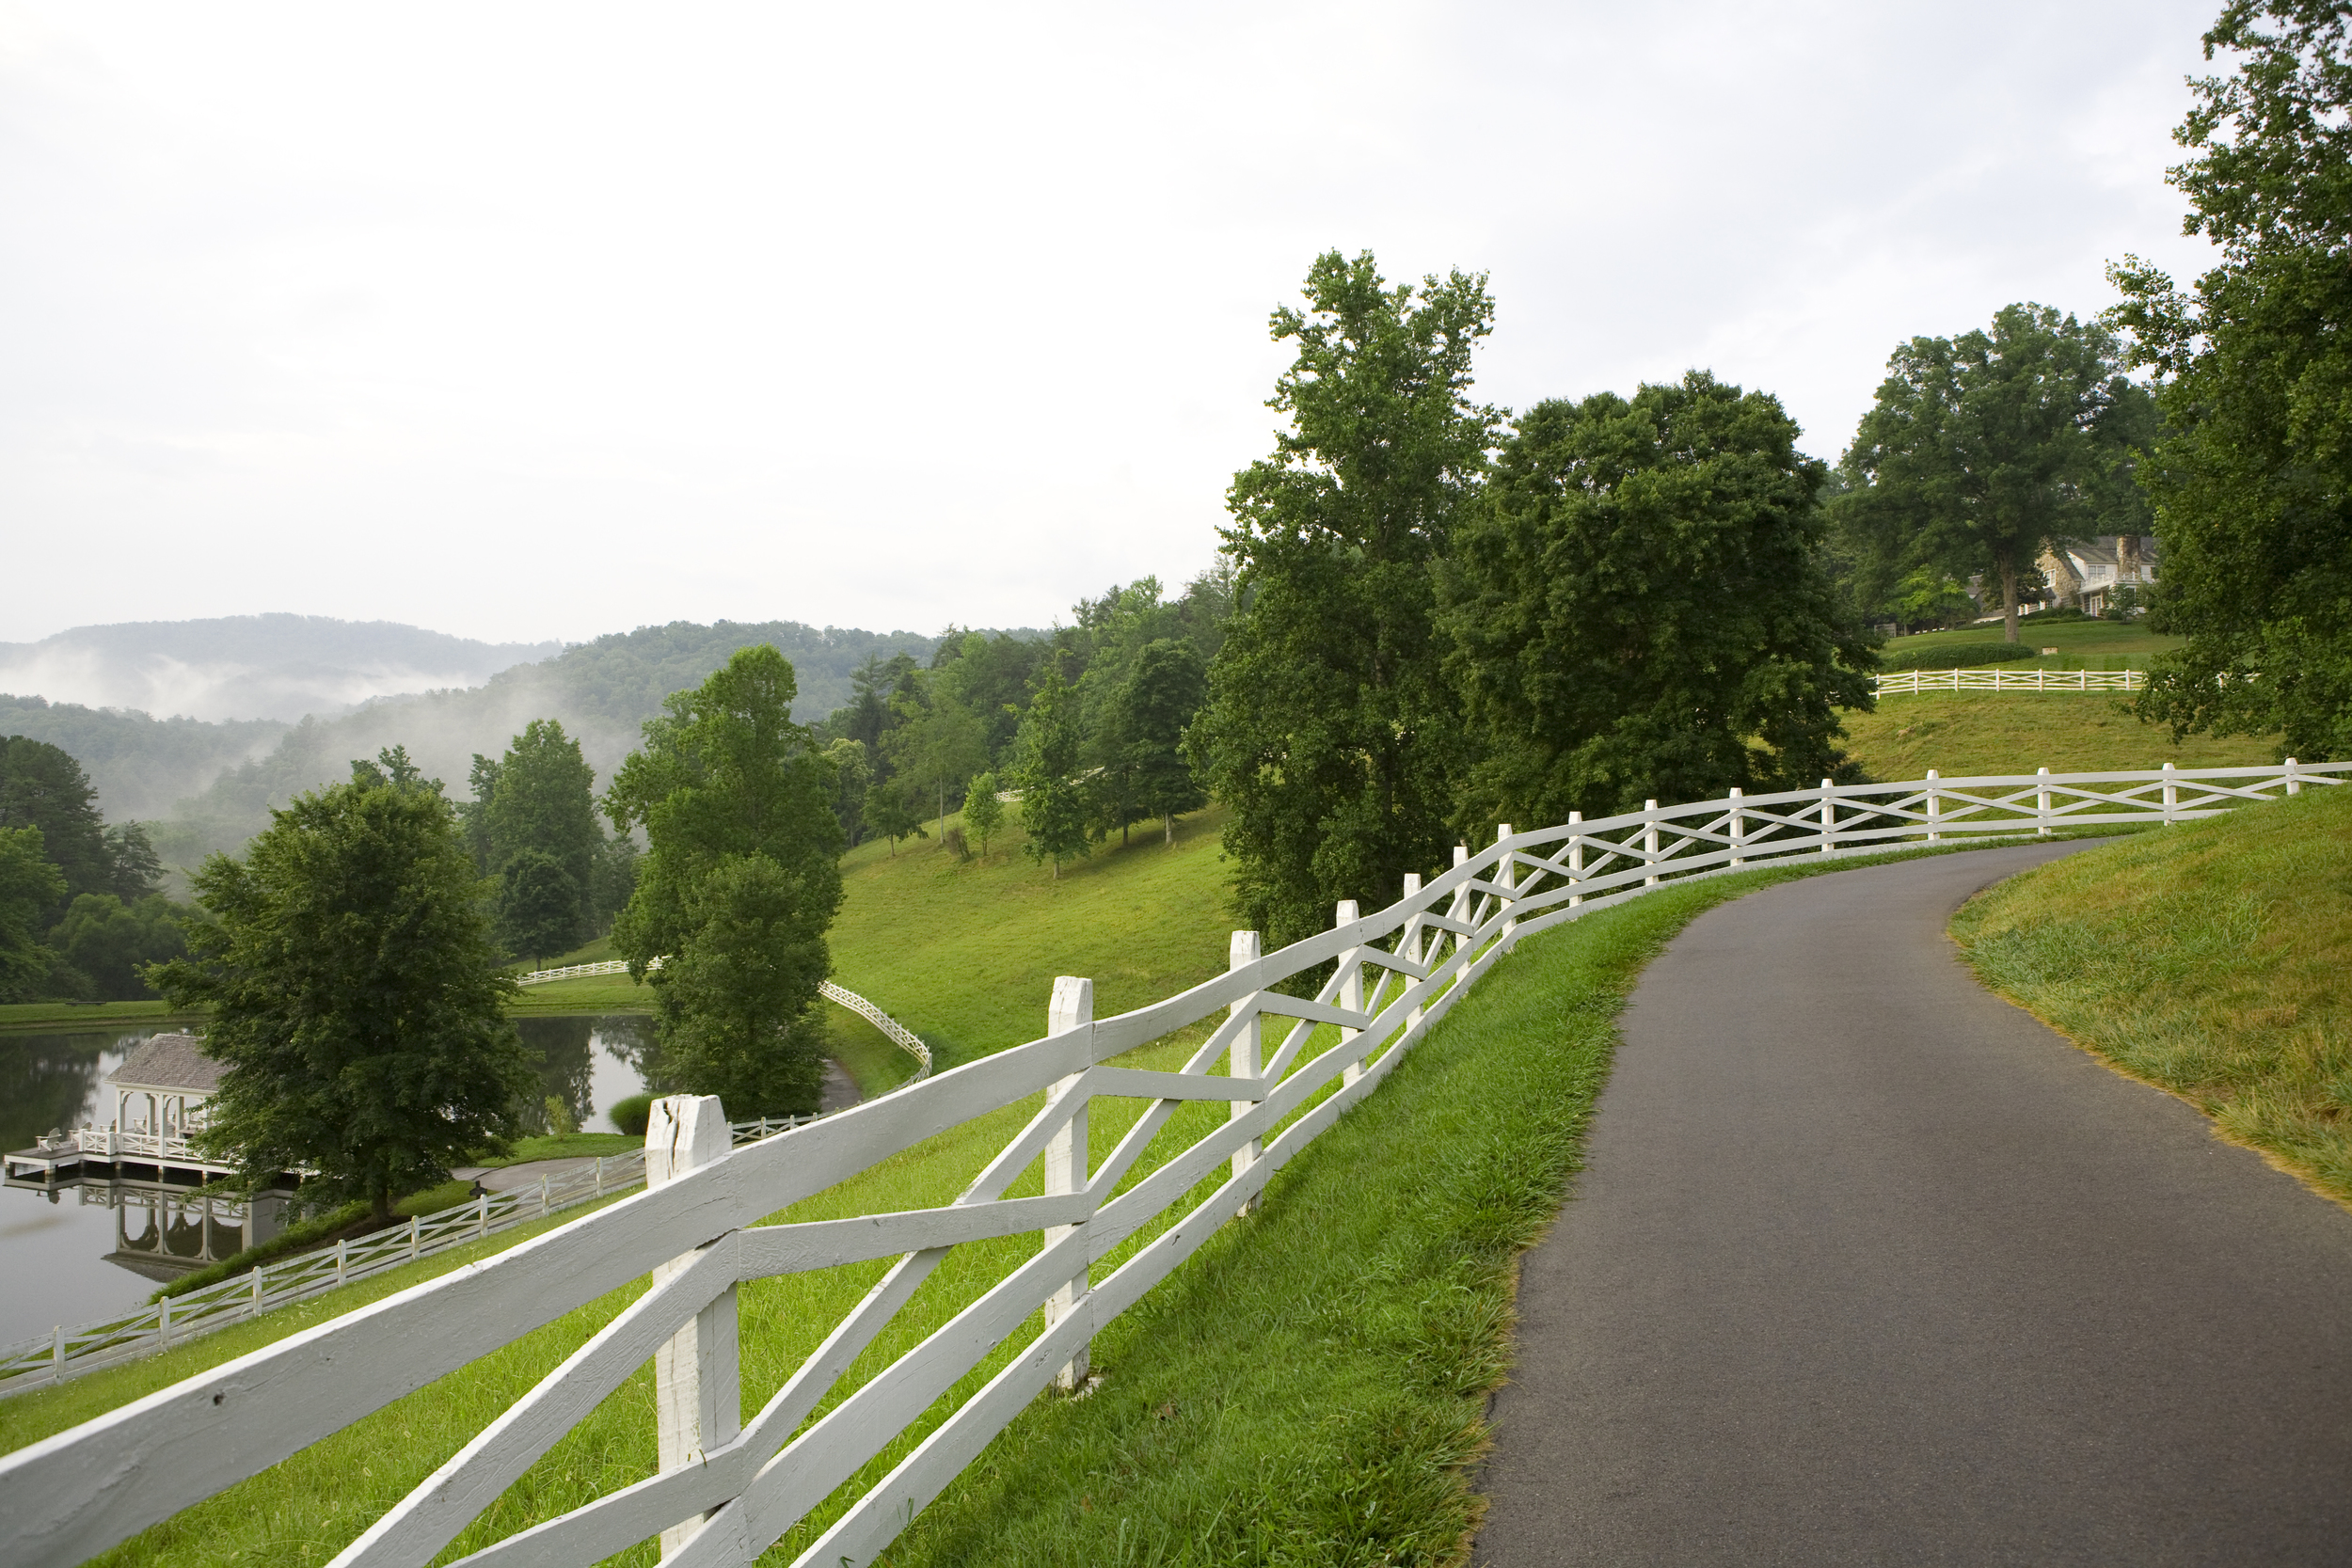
<point>1960,733</point>
<point>2208,960</point>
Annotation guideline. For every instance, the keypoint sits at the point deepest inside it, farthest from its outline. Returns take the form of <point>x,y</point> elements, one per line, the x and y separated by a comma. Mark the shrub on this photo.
<point>631,1115</point>
<point>1955,656</point>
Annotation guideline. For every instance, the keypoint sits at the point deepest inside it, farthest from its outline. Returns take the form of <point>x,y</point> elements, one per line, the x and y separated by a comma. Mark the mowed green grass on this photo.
<point>2094,645</point>
<point>1962,733</point>
<point>2208,960</point>
<point>966,952</point>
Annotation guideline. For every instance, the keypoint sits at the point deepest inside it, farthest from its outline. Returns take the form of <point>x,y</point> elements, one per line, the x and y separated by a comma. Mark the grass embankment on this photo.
<point>352,1221</point>
<point>965,952</point>
<point>74,1018</point>
<point>2080,644</point>
<point>1963,733</point>
<point>1306,1390</point>
<point>2208,960</point>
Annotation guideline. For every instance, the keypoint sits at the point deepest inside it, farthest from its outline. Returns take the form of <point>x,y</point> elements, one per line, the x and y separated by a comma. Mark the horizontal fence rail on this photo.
<point>899,1034</point>
<point>1262,1073</point>
<point>68,1353</point>
<point>1995,677</point>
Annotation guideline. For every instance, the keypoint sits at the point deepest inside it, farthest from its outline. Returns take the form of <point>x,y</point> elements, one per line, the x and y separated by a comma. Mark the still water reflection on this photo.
<point>93,1249</point>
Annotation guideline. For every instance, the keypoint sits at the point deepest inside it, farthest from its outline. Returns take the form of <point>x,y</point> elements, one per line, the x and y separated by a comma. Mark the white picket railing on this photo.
<point>1994,677</point>
<point>68,1353</point>
<point>726,1490</point>
<point>899,1034</point>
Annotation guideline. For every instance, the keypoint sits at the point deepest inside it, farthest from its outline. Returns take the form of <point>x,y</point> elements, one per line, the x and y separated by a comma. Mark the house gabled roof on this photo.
<point>173,1062</point>
<point>2101,551</point>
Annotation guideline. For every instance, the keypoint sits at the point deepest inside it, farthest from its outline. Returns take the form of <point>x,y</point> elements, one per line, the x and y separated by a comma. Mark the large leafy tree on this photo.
<point>940,743</point>
<point>355,994</point>
<point>1161,693</point>
<point>1638,608</point>
<point>42,786</point>
<point>2253,484</point>
<point>1985,449</point>
<point>542,808</point>
<point>1331,729</point>
<point>30,884</point>
<point>740,875</point>
<point>1049,754</point>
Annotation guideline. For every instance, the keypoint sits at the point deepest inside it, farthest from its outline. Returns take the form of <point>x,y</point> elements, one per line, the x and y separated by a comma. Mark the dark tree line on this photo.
<point>81,906</point>
<point>1085,723</point>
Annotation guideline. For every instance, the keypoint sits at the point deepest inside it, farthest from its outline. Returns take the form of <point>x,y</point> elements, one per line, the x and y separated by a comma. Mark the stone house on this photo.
<point>2082,573</point>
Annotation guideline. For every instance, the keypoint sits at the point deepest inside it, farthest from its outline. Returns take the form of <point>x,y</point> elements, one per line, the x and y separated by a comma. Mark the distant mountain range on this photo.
<point>209,785</point>
<point>280,667</point>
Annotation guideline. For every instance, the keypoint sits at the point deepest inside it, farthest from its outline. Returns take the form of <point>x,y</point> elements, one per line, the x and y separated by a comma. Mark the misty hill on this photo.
<point>141,765</point>
<point>245,667</point>
<point>603,692</point>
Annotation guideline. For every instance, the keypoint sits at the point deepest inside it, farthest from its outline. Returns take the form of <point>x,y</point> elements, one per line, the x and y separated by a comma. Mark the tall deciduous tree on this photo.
<point>105,944</point>
<point>539,908</point>
<point>938,743</point>
<point>2253,486</point>
<point>1331,729</point>
<point>737,807</point>
<point>1161,695</point>
<point>42,786</point>
<point>355,997</point>
<point>1638,608</point>
<point>1049,752</point>
<point>983,814</point>
<point>544,805</point>
<point>1984,450</point>
<point>30,885</point>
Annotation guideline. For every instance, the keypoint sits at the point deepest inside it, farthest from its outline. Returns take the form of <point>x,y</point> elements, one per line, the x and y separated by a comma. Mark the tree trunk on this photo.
<point>380,1205</point>
<point>2009,601</point>
<point>1170,819</point>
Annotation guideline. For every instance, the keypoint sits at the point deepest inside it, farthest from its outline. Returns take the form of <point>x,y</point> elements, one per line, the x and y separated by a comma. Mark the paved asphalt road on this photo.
<point>1869,1266</point>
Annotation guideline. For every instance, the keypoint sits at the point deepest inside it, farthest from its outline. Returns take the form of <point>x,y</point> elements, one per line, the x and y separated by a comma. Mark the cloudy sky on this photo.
<point>529,322</point>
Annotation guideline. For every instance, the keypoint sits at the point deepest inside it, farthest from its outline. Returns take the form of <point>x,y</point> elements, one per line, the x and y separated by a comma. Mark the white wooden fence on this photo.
<point>68,1353</point>
<point>899,1034</point>
<point>1994,677</point>
<point>726,1489</point>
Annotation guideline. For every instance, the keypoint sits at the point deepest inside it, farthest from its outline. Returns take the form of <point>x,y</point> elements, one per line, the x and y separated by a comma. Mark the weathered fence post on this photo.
<point>1739,829</point>
<point>698,1385</point>
<point>1576,858</point>
<point>2295,783</point>
<point>163,1320</point>
<point>57,1352</point>
<point>1935,806</point>
<point>1650,842</point>
<point>257,1292</point>
<point>415,1226</point>
<point>482,1215</point>
<point>342,1261</point>
<point>1066,1163</point>
<point>2042,801</point>
<point>1829,817</point>
<point>2171,795</point>
<point>1241,1059</point>
<point>543,1192</point>
<point>1351,987</point>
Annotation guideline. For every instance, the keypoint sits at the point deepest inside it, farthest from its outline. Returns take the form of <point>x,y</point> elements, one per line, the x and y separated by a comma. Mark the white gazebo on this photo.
<point>160,1090</point>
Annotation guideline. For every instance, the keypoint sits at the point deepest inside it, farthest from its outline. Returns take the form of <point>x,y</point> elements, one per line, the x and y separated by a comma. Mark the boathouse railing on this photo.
<point>724,1489</point>
<point>70,1352</point>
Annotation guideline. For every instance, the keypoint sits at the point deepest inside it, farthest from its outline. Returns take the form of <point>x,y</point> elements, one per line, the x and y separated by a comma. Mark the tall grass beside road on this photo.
<point>2210,959</point>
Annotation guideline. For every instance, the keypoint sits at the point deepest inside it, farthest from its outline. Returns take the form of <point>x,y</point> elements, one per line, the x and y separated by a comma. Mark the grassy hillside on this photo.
<point>1957,733</point>
<point>2207,959</point>
<point>965,952</point>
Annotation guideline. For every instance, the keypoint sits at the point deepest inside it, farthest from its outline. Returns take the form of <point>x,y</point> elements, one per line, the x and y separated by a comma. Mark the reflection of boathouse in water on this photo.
<point>143,1167</point>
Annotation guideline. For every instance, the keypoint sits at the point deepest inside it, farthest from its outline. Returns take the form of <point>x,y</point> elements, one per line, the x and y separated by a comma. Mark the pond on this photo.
<point>94,1249</point>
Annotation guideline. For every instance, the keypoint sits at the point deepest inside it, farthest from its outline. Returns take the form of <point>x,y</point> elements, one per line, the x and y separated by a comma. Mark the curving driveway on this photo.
<point>1867,1266</point>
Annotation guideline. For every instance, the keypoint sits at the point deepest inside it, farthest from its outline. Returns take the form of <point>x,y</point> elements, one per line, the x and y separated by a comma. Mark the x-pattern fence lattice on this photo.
<point>726,1489</point>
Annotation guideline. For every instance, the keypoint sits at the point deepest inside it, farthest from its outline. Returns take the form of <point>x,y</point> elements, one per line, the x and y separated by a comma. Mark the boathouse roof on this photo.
<point>174,1061</point>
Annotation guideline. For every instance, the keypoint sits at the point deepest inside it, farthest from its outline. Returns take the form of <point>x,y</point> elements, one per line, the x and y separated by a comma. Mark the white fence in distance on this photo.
<point>727,1489</point>
<point>1994,677</point>
<point>68,1353</point>
<point>898,1033</point>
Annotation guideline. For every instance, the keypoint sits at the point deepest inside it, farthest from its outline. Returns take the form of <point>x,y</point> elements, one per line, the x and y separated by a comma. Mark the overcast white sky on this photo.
<point>527,322</point>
